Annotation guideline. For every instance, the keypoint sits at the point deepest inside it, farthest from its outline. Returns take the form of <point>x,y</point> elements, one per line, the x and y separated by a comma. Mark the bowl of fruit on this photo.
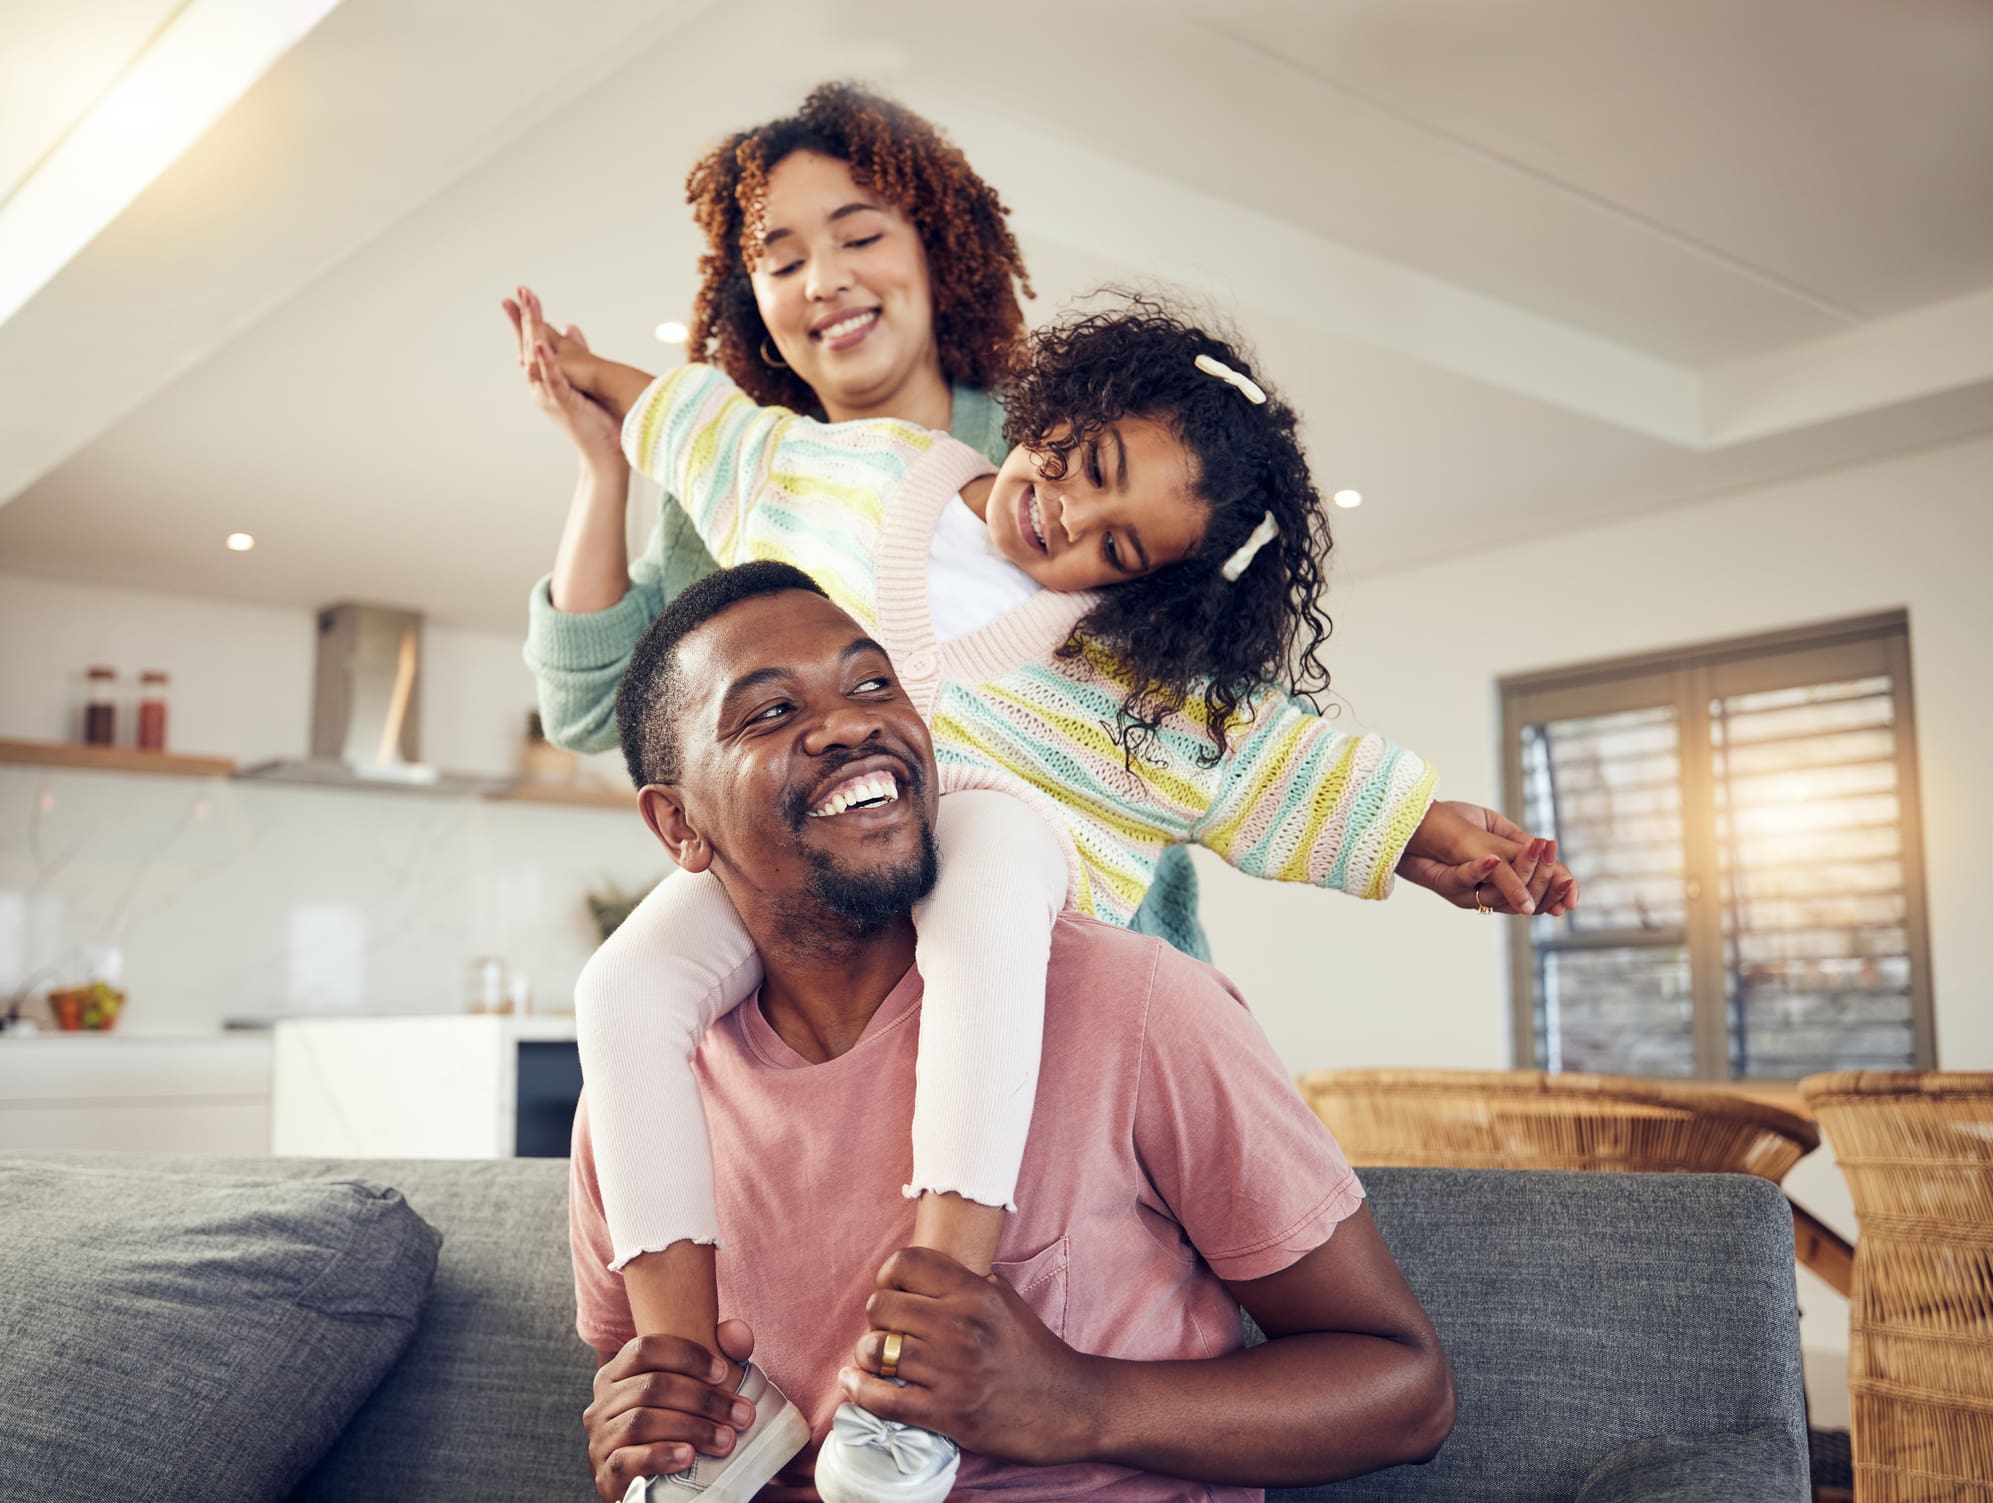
<point>87,1009</point>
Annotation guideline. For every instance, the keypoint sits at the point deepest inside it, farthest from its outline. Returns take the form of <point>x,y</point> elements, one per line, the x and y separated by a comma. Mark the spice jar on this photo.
<point>152,710</point>
<point>100,707</point>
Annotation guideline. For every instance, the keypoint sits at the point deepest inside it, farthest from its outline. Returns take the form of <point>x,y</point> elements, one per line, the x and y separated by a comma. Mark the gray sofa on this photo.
<point>1614,1338</point>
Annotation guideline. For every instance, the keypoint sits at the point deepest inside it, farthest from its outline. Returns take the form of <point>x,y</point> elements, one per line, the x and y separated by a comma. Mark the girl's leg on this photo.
<point>984,943</point>
<point>679,962</point>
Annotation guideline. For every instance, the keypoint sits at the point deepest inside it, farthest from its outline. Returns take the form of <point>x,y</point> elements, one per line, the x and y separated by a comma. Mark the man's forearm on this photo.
<point>1298,1410</point>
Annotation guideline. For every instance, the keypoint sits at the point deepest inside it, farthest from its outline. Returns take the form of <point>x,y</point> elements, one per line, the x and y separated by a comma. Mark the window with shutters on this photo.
<point>1743,820</point>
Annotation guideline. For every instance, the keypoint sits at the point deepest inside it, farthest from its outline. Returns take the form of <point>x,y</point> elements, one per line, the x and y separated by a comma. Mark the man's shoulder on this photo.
<point>1116,974</point>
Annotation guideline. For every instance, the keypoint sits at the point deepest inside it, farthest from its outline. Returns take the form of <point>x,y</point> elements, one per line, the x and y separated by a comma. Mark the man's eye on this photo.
<point>873,685</point>
<point>770,713</point>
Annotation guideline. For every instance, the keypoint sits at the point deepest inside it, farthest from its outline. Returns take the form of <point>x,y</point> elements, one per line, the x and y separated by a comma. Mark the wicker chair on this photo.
<point>1917,1151</point>
<point>1526,1119</point>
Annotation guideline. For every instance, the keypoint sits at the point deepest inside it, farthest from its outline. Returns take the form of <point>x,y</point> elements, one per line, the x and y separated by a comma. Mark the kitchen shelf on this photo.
<point>569,797</point>
<point>114,759</point>
<point>175,765</point>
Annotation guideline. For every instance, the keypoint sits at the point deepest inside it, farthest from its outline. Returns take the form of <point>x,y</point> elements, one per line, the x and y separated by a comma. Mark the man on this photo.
<point>1172,1174</point>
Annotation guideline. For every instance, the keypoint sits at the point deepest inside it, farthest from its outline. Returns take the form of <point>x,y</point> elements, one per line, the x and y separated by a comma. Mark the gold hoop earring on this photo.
<point>774,362</point>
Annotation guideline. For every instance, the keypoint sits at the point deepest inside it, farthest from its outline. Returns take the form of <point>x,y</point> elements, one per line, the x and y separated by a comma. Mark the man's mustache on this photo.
<point>795,808</point>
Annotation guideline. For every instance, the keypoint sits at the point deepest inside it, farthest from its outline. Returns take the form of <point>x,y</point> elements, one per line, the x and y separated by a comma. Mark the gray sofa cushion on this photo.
<point>192,1337</point>
<point>1583,1312</point>
<point>1748,1468</point>
<point>485,1405</point>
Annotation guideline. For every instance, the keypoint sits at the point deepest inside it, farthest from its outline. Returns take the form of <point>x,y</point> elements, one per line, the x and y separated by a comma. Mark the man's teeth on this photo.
<point>846,326</point>
<point>877,787</point>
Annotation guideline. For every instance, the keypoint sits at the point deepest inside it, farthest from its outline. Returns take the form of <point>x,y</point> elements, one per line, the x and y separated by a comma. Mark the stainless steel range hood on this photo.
<point>366,709</point>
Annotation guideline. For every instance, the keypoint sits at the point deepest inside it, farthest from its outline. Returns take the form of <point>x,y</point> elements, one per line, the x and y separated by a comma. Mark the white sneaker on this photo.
<point>779,1431</point>
<point>869,1460</point>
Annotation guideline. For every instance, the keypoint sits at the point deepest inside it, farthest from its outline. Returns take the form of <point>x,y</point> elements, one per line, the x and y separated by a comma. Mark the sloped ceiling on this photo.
<point>1520,267</point>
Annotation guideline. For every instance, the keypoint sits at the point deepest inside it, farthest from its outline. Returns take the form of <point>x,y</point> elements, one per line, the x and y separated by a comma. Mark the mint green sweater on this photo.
<point>578,659</point>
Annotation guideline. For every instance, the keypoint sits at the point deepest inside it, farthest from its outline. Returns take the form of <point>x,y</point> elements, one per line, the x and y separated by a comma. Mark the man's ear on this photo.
<point>664,812</point>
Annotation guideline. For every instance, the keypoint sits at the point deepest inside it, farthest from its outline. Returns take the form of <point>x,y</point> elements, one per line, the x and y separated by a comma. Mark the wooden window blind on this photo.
<point>1743,818</point>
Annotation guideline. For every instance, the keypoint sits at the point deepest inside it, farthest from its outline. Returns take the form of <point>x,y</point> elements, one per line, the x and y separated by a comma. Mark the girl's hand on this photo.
<point>557,367</point>
<point>1473,856</point>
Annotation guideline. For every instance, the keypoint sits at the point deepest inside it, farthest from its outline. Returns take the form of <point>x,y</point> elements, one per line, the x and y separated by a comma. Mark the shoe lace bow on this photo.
<point>912,1449</point>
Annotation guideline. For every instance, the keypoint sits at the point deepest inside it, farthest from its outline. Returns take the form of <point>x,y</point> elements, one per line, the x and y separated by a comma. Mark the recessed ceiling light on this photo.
<point>241,542</point>
<point>673,333</point>
<point>1347,499</point>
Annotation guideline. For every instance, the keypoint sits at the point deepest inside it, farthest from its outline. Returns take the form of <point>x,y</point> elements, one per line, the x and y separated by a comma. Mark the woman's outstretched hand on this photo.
<point>551,360</point>
<point>1473,857</point>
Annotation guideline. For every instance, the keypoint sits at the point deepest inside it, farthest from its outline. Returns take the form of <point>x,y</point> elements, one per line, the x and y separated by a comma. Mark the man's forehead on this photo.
<point>792,630</point>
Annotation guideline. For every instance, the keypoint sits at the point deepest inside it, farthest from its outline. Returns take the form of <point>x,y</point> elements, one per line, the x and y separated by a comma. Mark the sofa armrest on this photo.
<point>1757,1466</point>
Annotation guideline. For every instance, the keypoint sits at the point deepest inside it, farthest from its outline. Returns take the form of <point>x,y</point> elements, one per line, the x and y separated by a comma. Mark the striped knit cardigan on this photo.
<point>855,504</point>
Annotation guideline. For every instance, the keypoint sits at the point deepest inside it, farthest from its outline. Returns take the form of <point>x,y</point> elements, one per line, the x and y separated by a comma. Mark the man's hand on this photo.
<point>979,1366</point>
<point>1470,855</point>
<point>657,1401</point>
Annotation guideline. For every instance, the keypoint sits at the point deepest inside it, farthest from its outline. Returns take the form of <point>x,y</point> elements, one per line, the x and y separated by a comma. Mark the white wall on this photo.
<point>1418,655</point>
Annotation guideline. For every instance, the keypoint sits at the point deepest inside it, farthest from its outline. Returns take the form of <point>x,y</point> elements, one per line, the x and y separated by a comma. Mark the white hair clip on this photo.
<point>1263,534</point>
<point>1225,373</point>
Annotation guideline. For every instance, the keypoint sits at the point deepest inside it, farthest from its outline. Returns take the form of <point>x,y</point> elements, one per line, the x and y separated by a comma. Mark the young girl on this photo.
<point>1096,632</point>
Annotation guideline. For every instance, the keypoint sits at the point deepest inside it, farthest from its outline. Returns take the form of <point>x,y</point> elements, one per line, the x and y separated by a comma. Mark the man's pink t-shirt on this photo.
<point>1168,1151</point>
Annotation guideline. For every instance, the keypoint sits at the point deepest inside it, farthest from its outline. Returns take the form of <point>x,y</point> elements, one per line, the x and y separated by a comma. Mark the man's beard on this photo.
<point>870,898</point>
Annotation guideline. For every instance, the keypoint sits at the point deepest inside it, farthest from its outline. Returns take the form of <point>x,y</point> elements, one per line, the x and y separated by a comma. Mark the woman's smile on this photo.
<point>846,330</point>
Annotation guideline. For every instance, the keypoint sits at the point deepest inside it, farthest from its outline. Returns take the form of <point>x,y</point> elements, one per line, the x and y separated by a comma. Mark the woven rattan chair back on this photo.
<point>1526,1119</point>
<point>1917,1151</point>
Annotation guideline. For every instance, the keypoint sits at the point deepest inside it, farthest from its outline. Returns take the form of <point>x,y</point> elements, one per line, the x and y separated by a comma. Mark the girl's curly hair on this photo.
<point>1186,639</point>
<point>972,258</point>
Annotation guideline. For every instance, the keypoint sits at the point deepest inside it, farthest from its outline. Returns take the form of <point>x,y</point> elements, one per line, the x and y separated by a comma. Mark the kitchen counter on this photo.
<point>447,1086</point>
<point>171,1093</point>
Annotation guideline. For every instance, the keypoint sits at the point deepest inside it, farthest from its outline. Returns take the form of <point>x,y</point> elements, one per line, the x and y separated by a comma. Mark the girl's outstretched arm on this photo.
<point>1296,799</point>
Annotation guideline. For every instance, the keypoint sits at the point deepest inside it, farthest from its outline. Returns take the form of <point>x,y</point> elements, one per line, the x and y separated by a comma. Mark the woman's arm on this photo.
<point>591,569</point>
<point>592,565</point>
<point>584,619</point>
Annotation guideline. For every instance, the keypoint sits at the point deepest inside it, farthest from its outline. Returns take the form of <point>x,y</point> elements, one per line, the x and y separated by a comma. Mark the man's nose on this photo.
<point>841,723</point>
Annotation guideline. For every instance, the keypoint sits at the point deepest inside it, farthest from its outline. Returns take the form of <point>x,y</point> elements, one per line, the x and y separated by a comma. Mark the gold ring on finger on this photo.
<point>1479,906</point>
<point>889,1355</point>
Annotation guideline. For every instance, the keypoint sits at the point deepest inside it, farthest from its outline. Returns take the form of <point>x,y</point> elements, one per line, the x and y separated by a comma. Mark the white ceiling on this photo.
<point>59,57</point>
<point>1521,267</point>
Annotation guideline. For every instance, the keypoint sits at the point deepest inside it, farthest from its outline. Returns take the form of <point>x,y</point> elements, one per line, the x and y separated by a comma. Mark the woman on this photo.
<point>898,299</point>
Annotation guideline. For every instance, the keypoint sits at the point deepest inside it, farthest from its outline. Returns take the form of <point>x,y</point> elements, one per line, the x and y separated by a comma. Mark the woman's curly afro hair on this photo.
<point>972,258</point>
<point>1186,639</point>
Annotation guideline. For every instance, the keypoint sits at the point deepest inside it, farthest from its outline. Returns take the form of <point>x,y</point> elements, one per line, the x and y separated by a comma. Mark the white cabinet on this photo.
<point>206,1094</point>
<point>452,1087</point>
